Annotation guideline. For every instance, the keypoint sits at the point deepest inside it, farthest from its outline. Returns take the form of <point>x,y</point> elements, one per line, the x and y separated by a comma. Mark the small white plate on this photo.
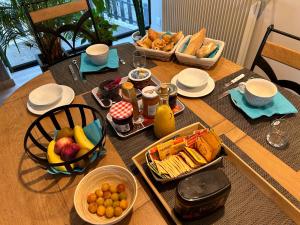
<point>45,95</point>
<point>193,78</point>
<point>66,98</point>
<point>194,92</point>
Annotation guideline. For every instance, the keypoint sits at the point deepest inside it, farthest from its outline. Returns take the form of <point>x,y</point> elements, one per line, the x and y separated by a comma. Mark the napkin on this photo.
<point>87,66</point>
<point>93,131</point>
<point>279,105</point>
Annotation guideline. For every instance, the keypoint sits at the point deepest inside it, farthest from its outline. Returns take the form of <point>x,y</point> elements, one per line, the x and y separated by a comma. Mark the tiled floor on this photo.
<point>20,78</point>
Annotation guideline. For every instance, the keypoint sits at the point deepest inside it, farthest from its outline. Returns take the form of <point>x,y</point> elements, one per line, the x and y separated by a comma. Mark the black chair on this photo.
<point>279,53</point>
<point>49,38</point>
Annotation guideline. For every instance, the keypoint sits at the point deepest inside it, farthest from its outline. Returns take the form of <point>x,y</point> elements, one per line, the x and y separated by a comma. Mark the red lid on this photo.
<point>121,110</point>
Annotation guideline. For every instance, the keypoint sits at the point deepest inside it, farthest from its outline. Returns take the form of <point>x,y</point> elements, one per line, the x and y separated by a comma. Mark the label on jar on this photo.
<point>123,128</point>
<point>152,109</point>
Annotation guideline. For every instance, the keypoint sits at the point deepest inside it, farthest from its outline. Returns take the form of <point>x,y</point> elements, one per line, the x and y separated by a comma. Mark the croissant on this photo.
<point>206,50</point>
<point>168,47</point>
<point>167,38</point>
<point>176,37</point>
<point>158,44</point>
<point>146,43</point>
<point>153,35</point>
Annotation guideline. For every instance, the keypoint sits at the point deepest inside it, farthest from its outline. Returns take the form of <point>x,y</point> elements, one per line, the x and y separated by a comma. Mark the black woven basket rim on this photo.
<point>44,162</point>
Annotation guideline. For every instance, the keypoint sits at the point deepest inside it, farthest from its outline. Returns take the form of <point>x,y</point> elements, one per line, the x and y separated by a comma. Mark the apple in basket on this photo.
<point>62,143</point>
<point>69,151</point>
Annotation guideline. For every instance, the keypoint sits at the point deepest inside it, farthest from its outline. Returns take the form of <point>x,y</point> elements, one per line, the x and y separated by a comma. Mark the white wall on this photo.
<point>156,14</point>
<point>285,15</point>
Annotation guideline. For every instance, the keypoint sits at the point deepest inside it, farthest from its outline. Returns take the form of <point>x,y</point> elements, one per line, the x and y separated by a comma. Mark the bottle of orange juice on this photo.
<point>164,121</point>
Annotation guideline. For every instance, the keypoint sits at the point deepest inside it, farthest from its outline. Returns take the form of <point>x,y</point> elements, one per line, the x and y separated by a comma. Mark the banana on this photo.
<point>81,139</point>
<point>54,158</point>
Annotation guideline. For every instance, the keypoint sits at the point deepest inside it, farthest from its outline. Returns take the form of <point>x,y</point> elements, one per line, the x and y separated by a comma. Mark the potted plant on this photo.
<point>139,11</point>
<point>15,26</point>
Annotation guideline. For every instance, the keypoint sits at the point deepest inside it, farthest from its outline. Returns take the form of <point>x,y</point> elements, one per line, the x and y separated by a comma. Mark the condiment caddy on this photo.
<point>148,122</point>
<point>145,102</point>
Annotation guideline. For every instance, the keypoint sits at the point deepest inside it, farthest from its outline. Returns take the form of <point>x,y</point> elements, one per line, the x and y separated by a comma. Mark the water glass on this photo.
<point>278,134</point>
<point>139,59</point>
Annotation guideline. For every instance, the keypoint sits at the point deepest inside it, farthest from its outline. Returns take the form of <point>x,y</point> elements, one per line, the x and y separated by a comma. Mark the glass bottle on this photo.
<point>129,95</point>
<point>164,121</point>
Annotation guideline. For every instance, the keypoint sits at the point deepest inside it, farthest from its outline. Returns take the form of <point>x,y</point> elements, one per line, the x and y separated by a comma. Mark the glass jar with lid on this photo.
<point>150,101</point>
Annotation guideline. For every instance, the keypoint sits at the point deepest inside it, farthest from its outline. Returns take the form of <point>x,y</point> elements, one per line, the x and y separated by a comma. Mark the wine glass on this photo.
<point>139,59</point>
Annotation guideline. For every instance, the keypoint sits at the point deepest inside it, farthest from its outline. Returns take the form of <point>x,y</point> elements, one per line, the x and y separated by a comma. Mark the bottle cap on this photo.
<point>164,89</point>
<point>127,85</point>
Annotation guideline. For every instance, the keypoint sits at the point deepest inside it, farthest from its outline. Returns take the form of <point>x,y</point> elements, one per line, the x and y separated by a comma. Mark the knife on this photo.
<point>72,72</point>
<point>235,80</point>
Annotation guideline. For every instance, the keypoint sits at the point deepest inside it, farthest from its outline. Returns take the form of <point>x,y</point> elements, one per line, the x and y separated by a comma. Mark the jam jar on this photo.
<point>150,101</point>
<point>121,114</point>
<point>201,194</point>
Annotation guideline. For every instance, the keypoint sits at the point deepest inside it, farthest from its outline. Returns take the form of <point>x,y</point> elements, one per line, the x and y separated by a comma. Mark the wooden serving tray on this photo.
<point>269,191</point>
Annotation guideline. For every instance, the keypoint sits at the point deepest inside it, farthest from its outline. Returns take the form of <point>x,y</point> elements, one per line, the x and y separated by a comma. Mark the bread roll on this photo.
<point>206,50</point>
<point>196,42</point>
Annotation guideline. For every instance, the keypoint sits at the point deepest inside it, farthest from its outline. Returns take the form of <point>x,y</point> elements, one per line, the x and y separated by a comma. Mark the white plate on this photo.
<point>45,95</point>
<point>193,78</point>
<point>194,92</point>
<point>66,98</point>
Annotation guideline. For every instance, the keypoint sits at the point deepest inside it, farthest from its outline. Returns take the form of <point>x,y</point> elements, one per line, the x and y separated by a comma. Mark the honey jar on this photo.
<point>150,101</point>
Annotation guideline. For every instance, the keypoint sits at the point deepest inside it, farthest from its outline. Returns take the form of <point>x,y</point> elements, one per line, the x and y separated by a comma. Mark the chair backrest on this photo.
<point>49,39</point>
<point>280,54</point>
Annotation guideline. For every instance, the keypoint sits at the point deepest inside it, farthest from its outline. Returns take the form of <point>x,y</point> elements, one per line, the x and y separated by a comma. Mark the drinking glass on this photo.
<point>139,59</point>
<point>278,134</point>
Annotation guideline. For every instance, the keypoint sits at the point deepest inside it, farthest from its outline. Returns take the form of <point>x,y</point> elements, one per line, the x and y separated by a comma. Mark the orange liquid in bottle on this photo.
<point>164,121</point>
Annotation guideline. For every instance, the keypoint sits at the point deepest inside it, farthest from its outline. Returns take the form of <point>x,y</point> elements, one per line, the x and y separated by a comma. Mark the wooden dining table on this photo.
<point>30,195</point>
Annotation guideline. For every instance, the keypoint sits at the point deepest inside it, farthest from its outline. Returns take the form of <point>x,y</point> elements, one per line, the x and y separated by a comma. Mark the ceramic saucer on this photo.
<point>193,92</point>
<point>67,98</point>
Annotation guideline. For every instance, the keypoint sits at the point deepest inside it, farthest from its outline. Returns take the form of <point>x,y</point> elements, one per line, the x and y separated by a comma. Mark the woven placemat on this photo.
<point>258,128</point>
<point>62,75</point>
<point>246,204</point>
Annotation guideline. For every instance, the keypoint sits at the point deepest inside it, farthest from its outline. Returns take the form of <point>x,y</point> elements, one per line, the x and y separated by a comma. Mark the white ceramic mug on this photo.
<point>98,53</point>
<point>258,92</point>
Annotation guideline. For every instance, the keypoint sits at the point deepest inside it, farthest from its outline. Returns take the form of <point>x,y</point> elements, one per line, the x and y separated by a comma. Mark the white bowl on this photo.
<point>92,181</point>
<point>258,92</point>
<point>45,95</point>
<point>193,78</point>
<point>98,53</point>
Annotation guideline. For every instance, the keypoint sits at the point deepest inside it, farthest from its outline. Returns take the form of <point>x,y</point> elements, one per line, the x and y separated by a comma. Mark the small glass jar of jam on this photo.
<point>150,101</point>
<point>121,114</point>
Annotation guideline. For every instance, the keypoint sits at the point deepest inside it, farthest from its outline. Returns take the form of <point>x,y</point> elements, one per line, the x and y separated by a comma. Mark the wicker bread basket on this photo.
<point>158,54</point>
<point>190,60</point>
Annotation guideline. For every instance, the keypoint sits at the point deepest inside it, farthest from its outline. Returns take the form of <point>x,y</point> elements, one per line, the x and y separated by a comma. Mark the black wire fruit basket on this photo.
<point>45,128</point>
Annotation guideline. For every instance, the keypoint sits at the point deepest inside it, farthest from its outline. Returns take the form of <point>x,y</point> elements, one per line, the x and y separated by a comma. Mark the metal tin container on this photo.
<point>201,194</point>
